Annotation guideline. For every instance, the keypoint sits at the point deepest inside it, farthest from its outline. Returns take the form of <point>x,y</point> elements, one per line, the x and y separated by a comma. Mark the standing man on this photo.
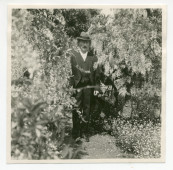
<point>83,81</point>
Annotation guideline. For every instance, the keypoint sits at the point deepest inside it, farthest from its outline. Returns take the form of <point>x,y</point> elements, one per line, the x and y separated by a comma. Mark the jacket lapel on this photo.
<point>79,58</point>
<point>87,58</point>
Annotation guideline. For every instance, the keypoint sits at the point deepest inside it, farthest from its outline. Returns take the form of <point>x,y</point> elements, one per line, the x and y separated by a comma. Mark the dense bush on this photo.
<point>140,138</point>
<point>128,45</point>
<point>41,101</point>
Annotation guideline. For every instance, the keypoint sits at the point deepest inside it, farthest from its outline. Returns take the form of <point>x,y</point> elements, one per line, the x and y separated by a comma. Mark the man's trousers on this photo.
<point>81,114</point>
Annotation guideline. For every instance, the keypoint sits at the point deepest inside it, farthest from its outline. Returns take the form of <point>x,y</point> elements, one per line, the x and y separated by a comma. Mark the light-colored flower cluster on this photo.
<point>140,138</point>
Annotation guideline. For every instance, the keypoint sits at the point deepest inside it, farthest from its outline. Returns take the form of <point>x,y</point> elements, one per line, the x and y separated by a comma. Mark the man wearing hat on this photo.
<point>84,82</point>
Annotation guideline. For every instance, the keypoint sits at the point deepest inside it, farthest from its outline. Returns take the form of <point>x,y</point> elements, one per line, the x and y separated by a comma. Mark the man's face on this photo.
<point>84,45</point>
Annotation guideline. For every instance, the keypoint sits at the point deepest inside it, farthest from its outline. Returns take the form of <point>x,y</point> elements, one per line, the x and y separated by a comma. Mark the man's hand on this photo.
<point>96,92</point>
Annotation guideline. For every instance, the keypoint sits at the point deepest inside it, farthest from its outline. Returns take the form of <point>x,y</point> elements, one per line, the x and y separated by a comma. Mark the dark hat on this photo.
<point>84,36</point>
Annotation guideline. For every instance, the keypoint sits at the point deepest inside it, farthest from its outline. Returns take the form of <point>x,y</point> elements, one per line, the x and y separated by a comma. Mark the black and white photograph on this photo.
<point>86,83</point>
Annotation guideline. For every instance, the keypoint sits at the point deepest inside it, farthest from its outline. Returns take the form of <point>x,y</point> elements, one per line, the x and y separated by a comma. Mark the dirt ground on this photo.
<point>103,147</point>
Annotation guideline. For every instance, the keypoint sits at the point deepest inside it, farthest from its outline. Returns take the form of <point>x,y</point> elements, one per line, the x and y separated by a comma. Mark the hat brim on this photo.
<point>83,38</point>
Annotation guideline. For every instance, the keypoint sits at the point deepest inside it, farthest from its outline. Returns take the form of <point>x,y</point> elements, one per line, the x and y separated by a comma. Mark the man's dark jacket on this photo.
<point>82,71</point>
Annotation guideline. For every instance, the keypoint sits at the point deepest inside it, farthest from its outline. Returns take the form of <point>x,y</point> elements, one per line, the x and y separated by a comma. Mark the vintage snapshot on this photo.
<point>86,84</point>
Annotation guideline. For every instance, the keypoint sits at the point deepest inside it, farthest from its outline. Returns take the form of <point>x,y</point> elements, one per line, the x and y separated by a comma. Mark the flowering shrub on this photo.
<point>128,45</point>
<point>140,138</point>
<point>41,102</point>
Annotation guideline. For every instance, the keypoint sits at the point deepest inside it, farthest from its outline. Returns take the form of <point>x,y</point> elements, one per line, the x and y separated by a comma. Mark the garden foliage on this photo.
<point>128,44</point>
<point>41,101</point>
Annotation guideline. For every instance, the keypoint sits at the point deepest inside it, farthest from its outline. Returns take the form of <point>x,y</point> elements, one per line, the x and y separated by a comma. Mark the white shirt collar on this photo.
<point>84,55</point>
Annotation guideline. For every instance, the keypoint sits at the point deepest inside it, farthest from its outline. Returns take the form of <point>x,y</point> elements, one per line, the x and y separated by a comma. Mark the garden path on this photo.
<point>103,147</point>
